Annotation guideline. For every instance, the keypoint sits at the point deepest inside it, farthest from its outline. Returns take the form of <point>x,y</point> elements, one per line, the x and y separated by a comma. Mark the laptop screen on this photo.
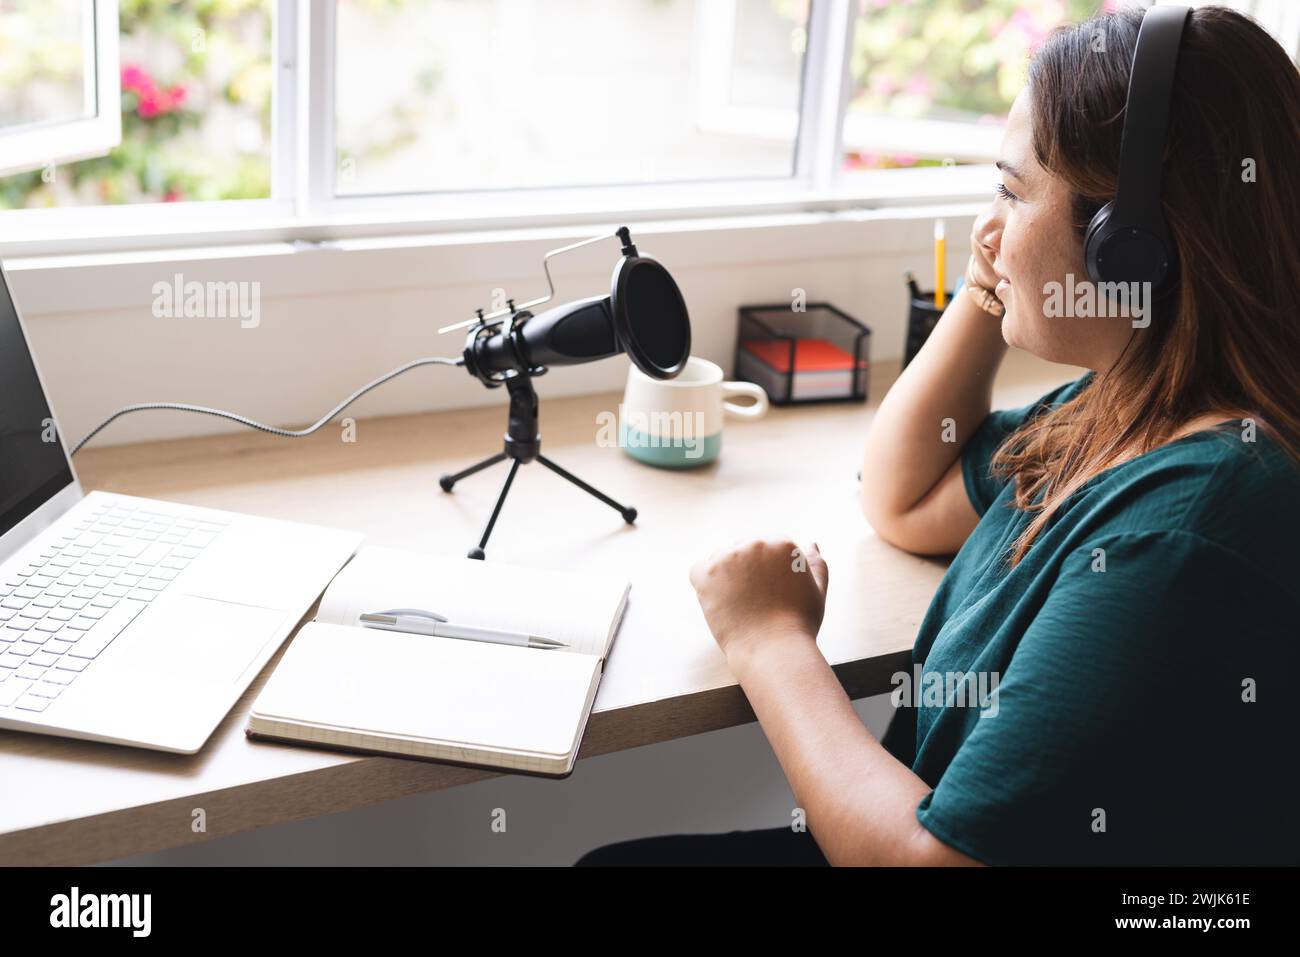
<point>32,464</point>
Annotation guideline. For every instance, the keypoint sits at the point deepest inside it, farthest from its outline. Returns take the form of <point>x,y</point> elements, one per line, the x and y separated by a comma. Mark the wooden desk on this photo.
<point>794,473</point>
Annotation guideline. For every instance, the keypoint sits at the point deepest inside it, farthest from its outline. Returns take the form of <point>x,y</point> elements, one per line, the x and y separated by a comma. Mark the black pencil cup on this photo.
<point>922,316</point>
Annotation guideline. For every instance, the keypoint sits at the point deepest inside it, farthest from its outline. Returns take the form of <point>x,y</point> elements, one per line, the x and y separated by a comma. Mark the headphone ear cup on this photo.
<point>1115,253</point>
<point>1092,241</point>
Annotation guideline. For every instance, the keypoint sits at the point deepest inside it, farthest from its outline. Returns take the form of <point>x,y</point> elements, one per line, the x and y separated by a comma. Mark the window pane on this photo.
<point>196,107</point>
<point>45,46</point>
<point>932,80</point>
<point>440,95</point>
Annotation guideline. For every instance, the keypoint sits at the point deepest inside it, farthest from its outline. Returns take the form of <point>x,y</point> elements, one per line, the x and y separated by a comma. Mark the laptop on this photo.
<point>123,619</point>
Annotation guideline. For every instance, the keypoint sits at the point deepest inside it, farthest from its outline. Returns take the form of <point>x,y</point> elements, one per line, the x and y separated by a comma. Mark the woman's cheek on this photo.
<point>1013,296</point>
<point>1023,325</point>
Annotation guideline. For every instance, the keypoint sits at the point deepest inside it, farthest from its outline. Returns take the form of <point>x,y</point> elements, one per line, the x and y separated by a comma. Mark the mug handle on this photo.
<point>752,389</point>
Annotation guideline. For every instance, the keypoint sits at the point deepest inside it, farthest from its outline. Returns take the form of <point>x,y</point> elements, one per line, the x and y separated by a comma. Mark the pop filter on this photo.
<point>650,317</point>
<point>644,315</point>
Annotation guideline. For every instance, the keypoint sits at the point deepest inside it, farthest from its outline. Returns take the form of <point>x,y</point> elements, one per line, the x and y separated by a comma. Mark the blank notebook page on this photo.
<point>577,610</point>
<point>463,692</point>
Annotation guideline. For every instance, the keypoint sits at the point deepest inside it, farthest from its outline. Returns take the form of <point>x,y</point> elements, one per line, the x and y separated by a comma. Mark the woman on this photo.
<point>1127,562</point>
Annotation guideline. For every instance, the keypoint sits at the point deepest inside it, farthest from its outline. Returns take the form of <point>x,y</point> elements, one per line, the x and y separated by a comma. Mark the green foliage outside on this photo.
<point>196,112</point>
<point>948,59</point>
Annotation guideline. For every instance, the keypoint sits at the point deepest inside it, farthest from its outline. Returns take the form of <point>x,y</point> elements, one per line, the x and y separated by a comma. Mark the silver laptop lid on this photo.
<point>37,483</point>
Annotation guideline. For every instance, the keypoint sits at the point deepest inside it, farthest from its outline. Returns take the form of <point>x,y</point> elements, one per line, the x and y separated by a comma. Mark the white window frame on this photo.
<point>962,141</point>
<point>304,209</point>
<point>94,229</point>
<point>38,145</point>
<point>715,43</point>
<point>461,209</point>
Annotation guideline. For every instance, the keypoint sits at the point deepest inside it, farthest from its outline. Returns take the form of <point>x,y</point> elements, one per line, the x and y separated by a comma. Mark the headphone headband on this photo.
<point>1146,115</point>
<point>1128,240</point>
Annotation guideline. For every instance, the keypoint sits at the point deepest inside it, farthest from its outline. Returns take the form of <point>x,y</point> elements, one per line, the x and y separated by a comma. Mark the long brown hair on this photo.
<point>1227,341</point>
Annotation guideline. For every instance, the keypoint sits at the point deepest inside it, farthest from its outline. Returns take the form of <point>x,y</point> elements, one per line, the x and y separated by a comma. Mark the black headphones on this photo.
<point>1128,240</point>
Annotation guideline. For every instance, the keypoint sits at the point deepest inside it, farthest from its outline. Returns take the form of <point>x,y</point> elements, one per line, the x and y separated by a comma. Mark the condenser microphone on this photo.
<point>644,315</point>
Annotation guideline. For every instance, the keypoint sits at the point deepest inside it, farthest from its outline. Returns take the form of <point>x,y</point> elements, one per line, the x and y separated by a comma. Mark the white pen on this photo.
<point>414,621</point>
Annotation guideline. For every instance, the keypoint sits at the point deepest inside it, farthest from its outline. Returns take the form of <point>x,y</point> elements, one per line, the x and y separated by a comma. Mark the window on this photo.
<point>931,81</point>
<point>188,86</point>
<point>58,81</point>
<point>454,95</point>
<point>320,119</point>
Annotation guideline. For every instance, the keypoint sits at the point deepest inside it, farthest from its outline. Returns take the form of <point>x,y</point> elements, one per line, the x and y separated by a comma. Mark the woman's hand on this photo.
<point>761,590</point>
<point>981,259</point>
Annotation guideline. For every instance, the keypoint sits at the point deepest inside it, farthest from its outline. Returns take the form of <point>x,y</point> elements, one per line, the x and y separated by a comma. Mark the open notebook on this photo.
<point>343,686</point>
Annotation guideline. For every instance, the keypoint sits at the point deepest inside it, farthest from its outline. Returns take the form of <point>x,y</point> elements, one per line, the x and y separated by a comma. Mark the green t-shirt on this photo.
<point>1118,660</point>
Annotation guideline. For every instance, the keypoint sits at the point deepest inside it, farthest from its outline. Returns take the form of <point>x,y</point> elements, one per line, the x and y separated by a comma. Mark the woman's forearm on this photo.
<point>860,801</point>
<point>951,378</point>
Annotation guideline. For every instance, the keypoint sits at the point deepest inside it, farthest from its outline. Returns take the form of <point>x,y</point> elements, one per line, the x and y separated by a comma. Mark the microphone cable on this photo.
<point>270,429</point>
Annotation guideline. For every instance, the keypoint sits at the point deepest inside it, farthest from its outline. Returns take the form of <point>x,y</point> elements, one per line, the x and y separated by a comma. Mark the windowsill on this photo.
<point>484,259</point>
<point>401,238</point>
<point>105,236</point>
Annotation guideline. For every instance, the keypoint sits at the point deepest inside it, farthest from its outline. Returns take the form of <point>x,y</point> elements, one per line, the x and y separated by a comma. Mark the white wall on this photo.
<point>335,316</point>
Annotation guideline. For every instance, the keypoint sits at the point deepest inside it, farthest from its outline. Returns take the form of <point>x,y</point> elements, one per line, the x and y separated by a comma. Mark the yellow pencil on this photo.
<point>940,297</point>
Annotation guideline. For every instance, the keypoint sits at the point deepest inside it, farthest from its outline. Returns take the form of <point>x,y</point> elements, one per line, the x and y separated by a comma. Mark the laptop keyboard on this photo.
<point>65,600</point>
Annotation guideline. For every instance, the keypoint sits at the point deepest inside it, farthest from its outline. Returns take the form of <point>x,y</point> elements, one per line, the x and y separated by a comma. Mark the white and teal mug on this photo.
<point>677,423</point>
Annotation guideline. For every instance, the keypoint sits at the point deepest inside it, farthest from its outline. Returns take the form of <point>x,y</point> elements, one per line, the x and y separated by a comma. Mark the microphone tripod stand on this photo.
<point>523,444</point>
<point>644,315</point>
